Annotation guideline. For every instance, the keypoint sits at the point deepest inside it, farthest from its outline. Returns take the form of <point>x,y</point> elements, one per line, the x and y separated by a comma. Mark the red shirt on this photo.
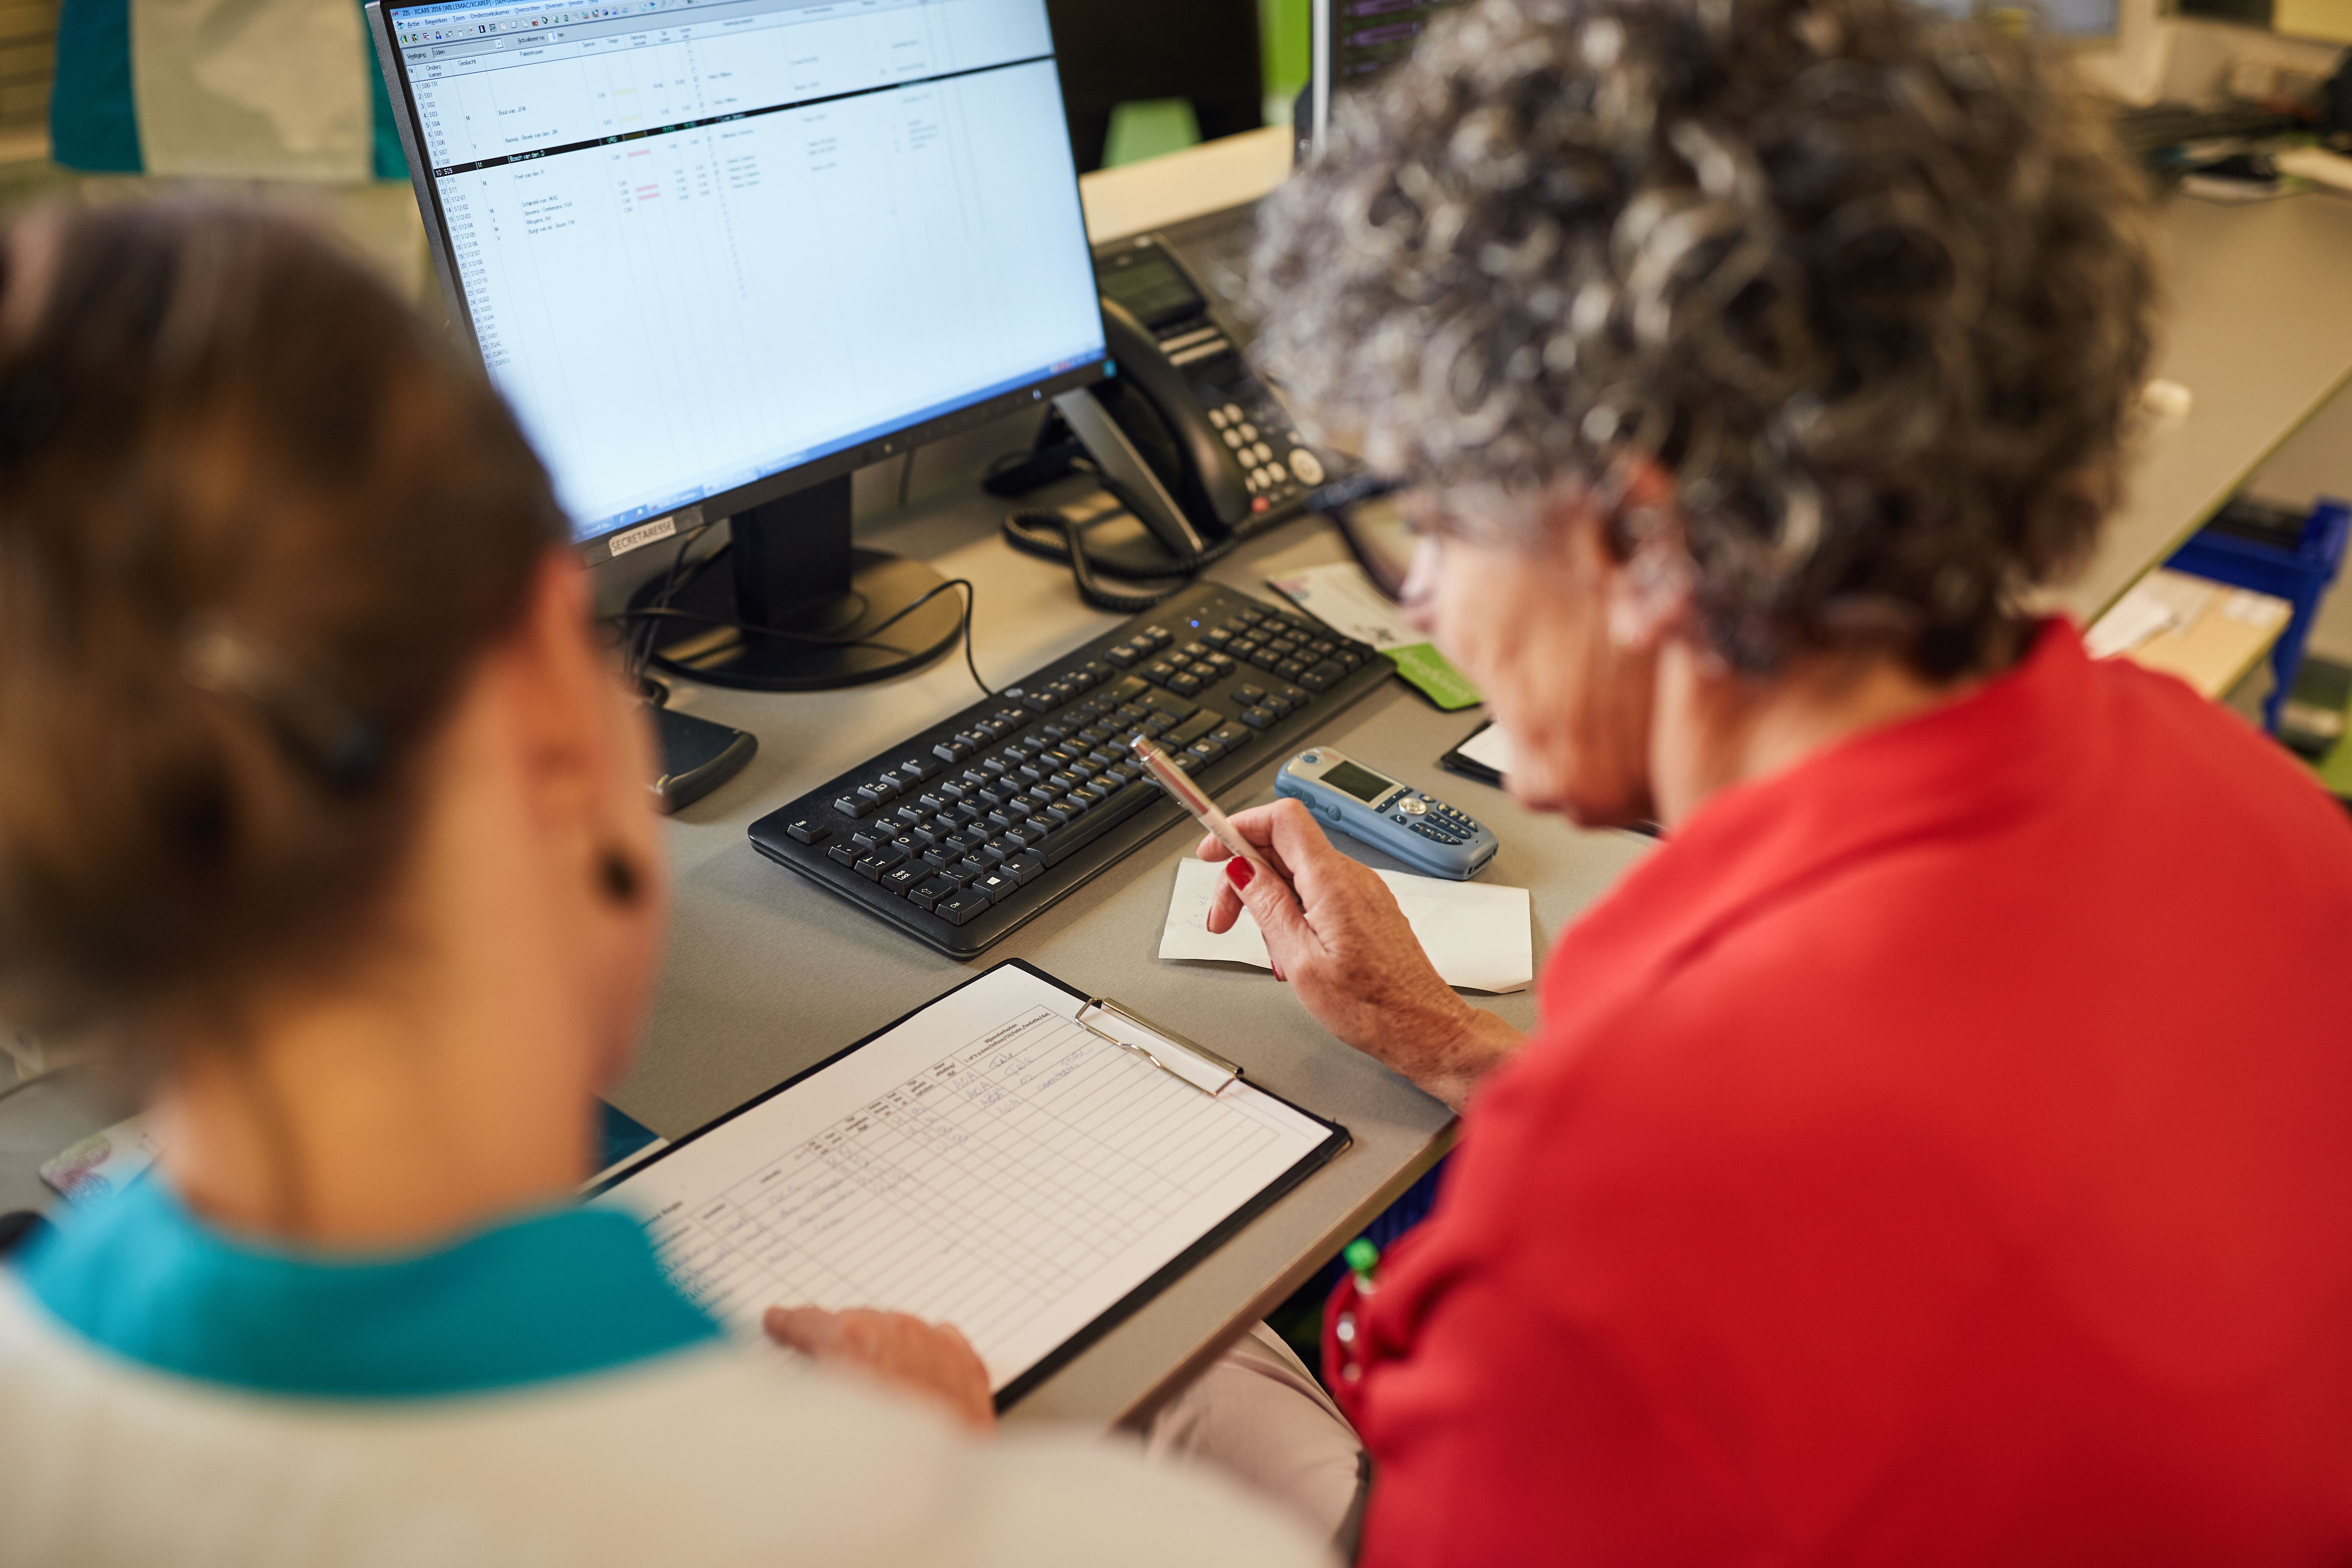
<point>1939,1153</point>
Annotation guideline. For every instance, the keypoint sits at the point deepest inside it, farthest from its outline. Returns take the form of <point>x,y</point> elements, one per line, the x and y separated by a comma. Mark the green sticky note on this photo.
<point>1434,675</point>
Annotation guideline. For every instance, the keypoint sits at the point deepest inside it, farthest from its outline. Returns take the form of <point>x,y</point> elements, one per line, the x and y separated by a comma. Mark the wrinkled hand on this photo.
<point>934,1361</point>
<point>1335,935</point>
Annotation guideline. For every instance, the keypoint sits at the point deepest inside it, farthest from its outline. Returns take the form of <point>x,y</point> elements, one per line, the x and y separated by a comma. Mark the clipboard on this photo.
<point>790,1183</point>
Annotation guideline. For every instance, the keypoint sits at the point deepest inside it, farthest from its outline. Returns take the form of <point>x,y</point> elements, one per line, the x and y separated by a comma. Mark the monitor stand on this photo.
<point>795,574</point>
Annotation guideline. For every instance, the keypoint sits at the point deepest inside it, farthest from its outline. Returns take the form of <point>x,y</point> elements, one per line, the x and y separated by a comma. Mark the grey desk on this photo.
<point>2257,325</point>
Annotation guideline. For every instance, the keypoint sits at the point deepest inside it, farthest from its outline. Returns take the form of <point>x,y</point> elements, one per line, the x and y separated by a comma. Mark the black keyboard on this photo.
<point>2159,126</point>
<point>968,830</point>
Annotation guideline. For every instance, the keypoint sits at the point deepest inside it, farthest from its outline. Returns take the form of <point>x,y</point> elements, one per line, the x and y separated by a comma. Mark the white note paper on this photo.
<point>1479,937</point>
<point>988,1164</point>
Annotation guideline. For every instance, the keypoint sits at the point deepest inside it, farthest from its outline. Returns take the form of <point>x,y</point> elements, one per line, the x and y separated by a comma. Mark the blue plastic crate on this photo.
<point>2300,575</point>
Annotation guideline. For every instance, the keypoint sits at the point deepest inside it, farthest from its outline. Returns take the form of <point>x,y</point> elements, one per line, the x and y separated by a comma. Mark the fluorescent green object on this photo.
<point>1359,1257</point>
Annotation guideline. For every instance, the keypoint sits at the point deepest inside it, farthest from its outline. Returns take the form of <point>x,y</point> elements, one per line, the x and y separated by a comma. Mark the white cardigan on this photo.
<point>708,1453</point>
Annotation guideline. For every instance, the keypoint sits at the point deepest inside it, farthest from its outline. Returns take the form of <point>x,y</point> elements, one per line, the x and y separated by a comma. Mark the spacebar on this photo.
<point>1068,841</point>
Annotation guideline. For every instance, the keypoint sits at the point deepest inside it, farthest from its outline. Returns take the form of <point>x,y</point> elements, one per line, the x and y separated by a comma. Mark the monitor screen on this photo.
<point>1369,36</point>
<point>2062,18</point>
<point>704,242</point>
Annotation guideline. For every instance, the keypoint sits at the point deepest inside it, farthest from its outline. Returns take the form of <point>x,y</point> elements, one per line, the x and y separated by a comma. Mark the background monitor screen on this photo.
<point>702,242</point>
<point>2063,19</point>
<point>1367,36</point>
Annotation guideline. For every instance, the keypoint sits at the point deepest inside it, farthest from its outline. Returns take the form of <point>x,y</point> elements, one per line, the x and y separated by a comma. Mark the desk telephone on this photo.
<point>1185,436</point>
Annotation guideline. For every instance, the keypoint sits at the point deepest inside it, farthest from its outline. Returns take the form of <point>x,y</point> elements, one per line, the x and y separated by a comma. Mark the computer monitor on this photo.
<point>719,254</point>
<point>2081,19</point>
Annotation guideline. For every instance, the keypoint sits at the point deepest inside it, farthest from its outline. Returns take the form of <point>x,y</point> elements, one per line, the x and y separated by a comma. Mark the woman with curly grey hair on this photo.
<point>1930,1154</point>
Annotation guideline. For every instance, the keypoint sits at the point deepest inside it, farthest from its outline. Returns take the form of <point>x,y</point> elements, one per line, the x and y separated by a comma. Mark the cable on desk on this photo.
<point>1053,536</point>
<point>869,638</point>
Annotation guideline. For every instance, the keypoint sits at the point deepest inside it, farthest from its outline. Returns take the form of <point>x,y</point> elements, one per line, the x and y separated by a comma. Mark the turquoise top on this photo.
<point>546,1295</point>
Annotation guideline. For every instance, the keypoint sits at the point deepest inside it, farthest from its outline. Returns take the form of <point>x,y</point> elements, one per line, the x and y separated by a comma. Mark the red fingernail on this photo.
<point>1239,871</point>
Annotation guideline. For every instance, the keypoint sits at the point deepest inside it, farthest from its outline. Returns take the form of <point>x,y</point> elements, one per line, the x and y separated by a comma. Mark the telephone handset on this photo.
<point>1184,436</point>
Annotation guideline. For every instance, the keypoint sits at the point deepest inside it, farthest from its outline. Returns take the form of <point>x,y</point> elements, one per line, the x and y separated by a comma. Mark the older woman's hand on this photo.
<point>1335,935</point>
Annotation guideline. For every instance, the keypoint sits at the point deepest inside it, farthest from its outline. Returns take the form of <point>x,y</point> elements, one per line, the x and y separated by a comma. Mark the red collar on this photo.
<point>1956,769</point>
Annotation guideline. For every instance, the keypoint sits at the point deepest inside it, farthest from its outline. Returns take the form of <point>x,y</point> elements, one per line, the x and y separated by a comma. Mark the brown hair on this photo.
<point>1868,283</point>
<point>255,527</point>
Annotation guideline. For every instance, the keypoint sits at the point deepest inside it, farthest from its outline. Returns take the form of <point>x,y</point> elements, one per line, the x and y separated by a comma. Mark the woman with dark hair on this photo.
<point>1937,1151</point>
<point>321,803</point>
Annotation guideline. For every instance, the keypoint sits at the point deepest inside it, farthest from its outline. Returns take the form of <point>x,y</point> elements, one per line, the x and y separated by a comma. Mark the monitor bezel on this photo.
<point>598,547</point>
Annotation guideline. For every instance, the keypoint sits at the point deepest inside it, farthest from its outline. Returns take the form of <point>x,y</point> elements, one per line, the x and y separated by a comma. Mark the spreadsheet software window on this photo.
<point>702,243</point>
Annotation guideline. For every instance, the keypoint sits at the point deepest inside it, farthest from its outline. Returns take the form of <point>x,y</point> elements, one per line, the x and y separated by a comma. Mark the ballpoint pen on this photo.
<point>1194,799</point>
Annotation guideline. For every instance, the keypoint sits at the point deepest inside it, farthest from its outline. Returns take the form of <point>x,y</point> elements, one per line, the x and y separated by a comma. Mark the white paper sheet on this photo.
<point>1479,937</point>
<point>987,1163</point>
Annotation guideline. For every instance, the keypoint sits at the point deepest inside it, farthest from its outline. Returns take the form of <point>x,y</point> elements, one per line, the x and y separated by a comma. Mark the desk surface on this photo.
<point>2257,325</point>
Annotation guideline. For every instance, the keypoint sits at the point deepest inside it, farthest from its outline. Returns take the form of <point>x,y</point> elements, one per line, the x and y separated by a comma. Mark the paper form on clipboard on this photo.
<point>986,1161</point>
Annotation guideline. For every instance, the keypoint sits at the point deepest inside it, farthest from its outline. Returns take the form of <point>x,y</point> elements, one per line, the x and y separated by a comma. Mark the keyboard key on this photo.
<point>906,816</point>
<point>1127,691</point>
<point>1027,833</point>
<point>931,891</point>
<point>1321,676</point>
<point>1160,672</point>
<point>871,867</point>
<point>854,805</point>
<point>958,908</point>
<point>809,830</point>
<point>952,751</point>
<point>1185,685</point>
<point>885,788</point>
<point>1249,696</point>
<point>972,868</point>
<point>1124,655</point>
<point>1290,669</point>
<point>919,768</point>
<point>904,880</point>
<point>1208,748</point>
<point>1024,869</point>
<point>1230,735</point>
<point>1297,697</point>
<point>1249,615</point>
<point>898,782</point>
<point>1216,636</point>
<point>1173,707</point>
<point>1192,728</point>
<point>997,885</point>
<point>844,854</point>
<point>871,836</point>
<point>1259,718</point>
